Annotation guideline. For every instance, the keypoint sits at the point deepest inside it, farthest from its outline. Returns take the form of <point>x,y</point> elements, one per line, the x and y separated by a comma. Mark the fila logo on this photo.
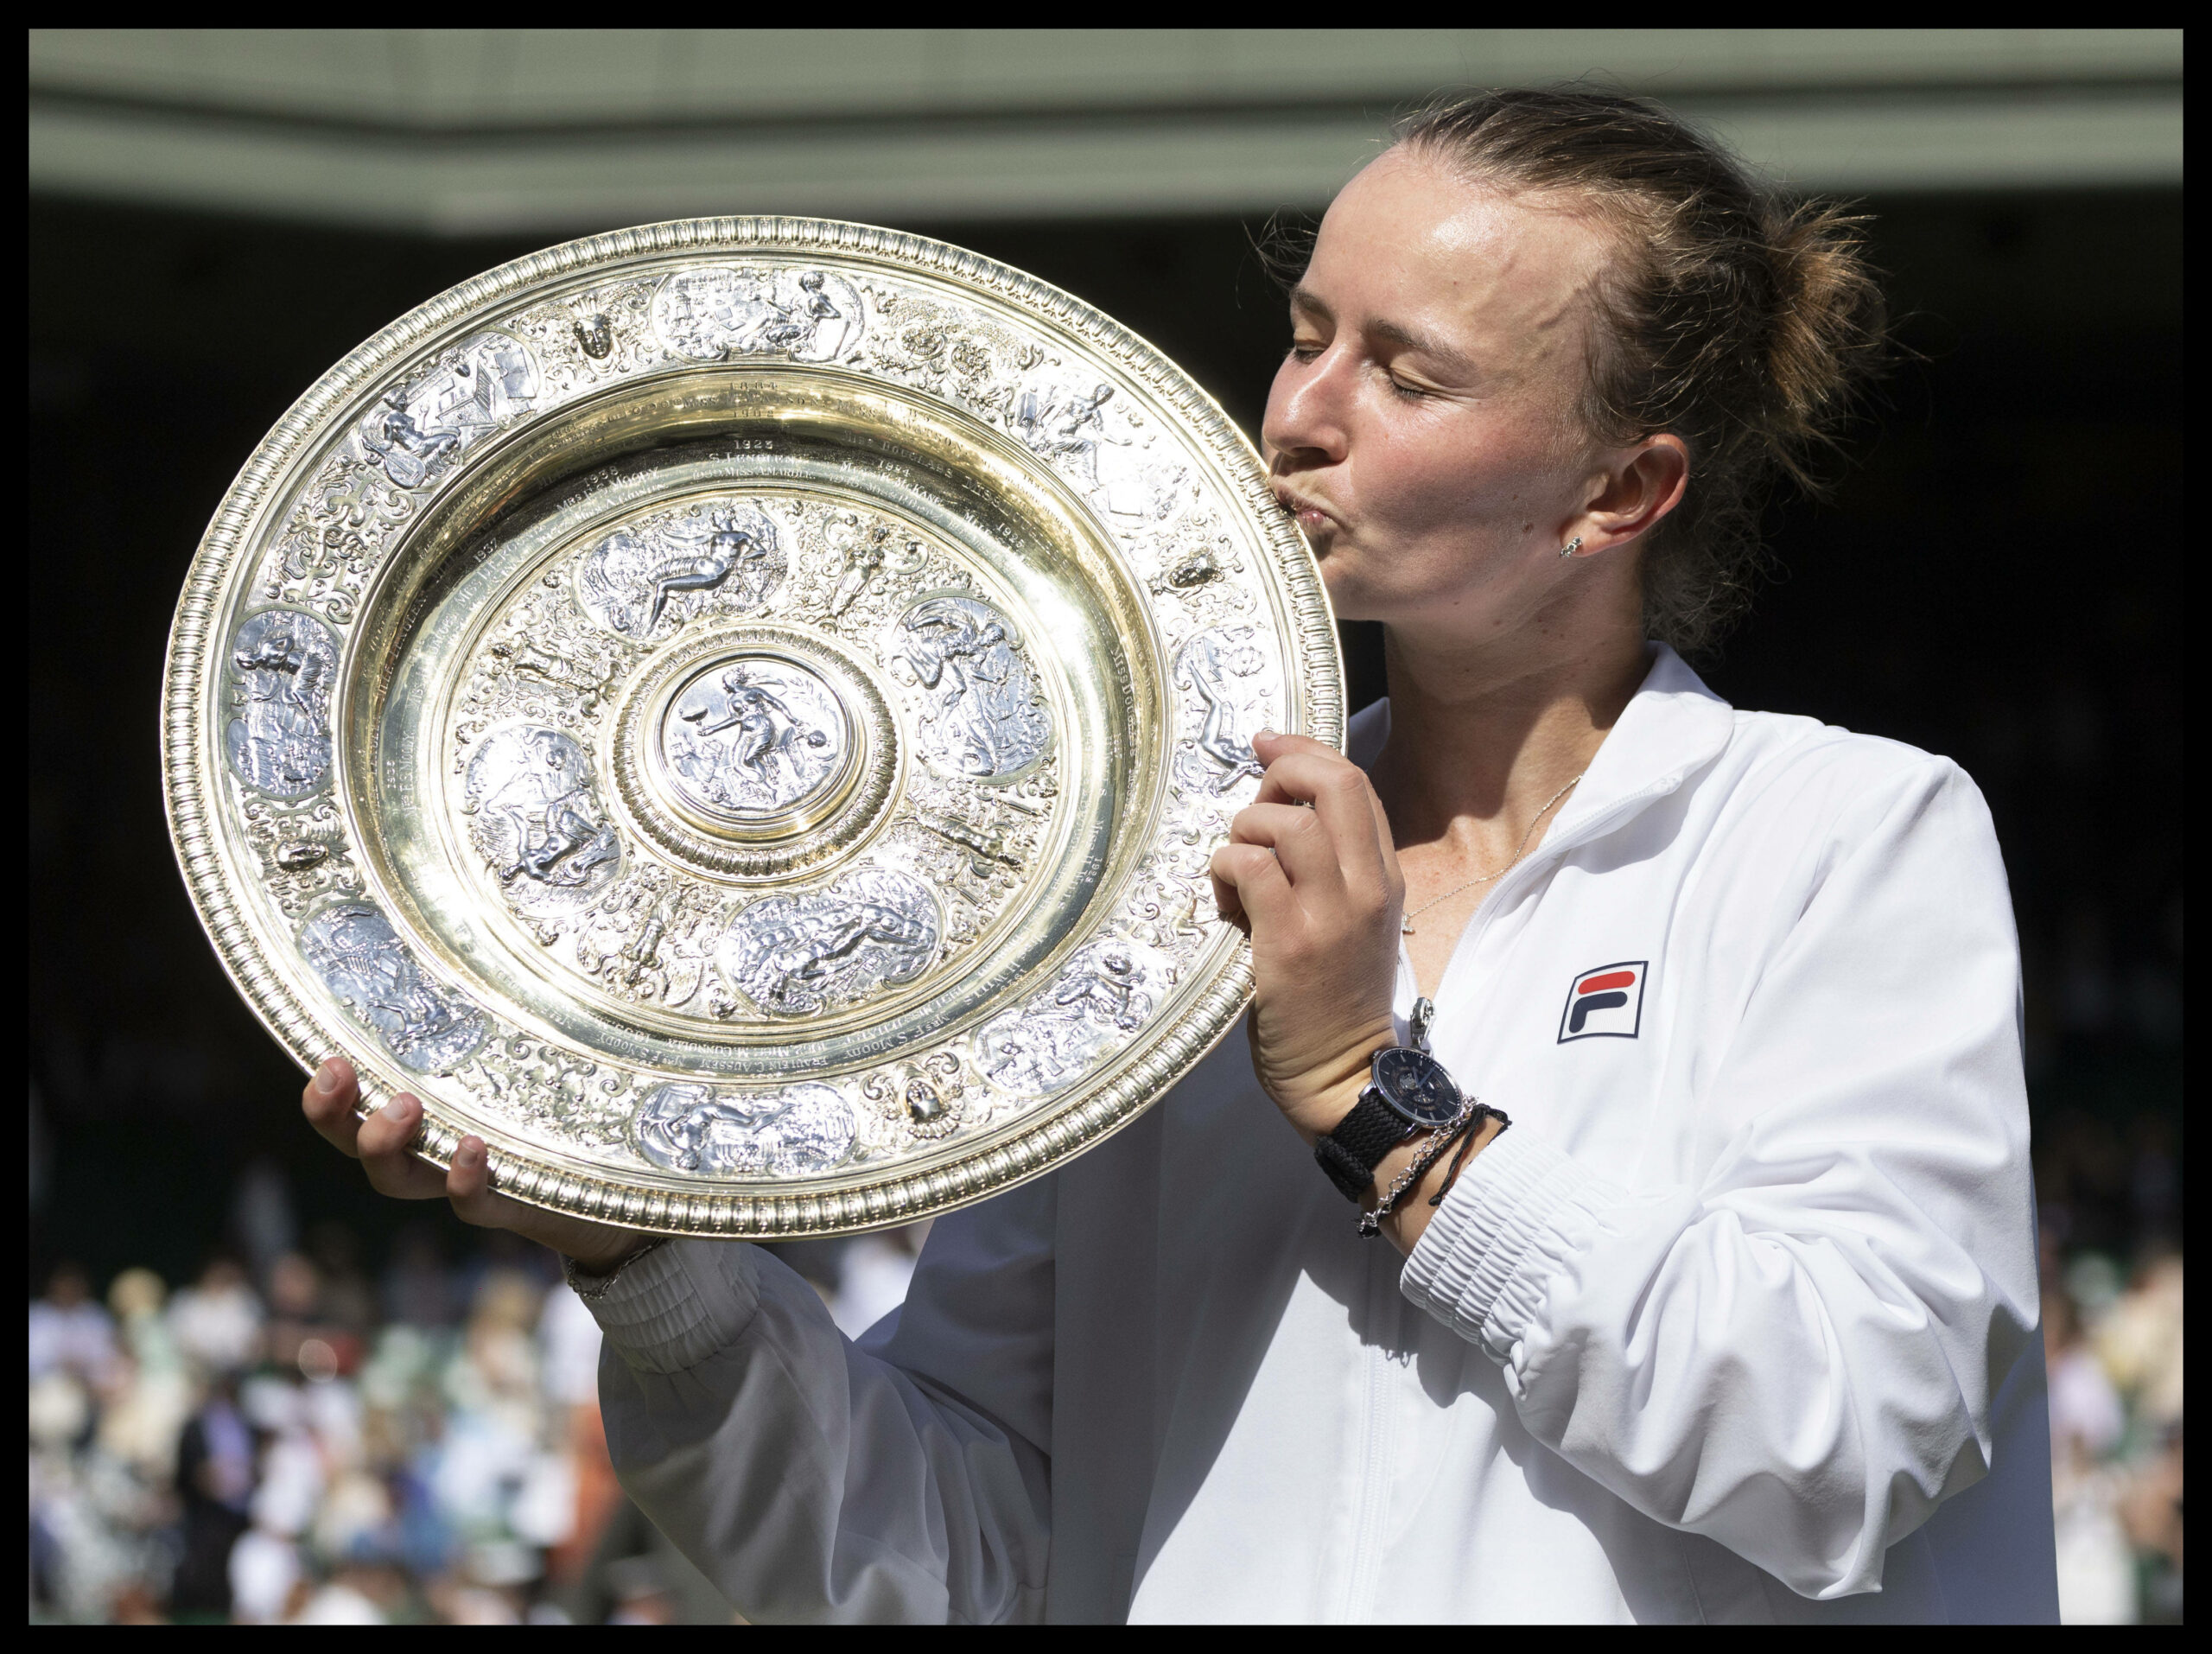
<point>1607,1002</point>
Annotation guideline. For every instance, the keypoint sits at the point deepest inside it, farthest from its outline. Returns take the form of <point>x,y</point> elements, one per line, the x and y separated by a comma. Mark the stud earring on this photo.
<point>1571,547</point>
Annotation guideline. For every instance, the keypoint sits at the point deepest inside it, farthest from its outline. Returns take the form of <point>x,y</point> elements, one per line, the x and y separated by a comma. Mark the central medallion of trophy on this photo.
<point>755,752</point>
<point>752,739</point>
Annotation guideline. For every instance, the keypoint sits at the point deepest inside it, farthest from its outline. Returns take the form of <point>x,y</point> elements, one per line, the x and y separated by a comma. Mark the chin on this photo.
<point>1351,596</point>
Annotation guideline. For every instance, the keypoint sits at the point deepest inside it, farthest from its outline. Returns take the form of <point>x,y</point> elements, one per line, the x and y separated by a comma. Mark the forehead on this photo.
<point>1408,241</point>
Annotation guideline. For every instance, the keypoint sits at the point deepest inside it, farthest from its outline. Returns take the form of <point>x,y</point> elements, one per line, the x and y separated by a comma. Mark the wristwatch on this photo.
<point>1408,1090</point>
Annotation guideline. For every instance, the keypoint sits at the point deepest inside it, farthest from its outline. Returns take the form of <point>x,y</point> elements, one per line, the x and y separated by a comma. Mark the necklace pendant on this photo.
<point>1405,926</point>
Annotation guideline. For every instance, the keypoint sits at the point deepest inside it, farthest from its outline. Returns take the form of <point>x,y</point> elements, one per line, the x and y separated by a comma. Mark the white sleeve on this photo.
<point>902,1478</point>
<point>1796,1353</point>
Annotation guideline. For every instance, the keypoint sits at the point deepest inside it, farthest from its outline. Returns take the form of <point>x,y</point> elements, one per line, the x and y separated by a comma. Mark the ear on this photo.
<point>1640,483</point>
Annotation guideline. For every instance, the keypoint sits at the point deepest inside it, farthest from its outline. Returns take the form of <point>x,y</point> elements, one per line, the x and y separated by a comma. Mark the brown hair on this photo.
<point>1740,320</point>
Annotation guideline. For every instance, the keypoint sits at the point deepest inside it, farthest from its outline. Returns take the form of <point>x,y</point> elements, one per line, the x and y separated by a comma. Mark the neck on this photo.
<point>1480,738</point>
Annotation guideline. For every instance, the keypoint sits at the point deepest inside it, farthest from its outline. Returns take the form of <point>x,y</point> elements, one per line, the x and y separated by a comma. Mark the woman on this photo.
<point>1735,1321</point>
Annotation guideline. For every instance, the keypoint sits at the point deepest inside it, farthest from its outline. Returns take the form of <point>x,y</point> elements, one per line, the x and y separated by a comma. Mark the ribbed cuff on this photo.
<point>1518,1214</point>
<point>675,1306</point>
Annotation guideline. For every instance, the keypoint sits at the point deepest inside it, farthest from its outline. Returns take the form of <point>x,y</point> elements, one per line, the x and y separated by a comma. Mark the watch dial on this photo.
<point>1415,1085</point>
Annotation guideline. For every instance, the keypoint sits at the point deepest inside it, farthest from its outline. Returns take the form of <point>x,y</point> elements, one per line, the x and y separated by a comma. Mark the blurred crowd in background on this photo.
<point>290,1439</point>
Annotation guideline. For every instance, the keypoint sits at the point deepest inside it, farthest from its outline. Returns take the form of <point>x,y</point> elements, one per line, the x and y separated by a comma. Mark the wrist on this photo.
<point>1406,1226</point>
<point>604,1258</point>
<point>1326,1092</point>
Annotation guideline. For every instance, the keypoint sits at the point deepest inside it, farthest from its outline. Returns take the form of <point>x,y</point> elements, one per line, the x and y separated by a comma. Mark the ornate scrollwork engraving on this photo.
<point>802,1131</point>
<point>796,955</point>
<point>277,737</point>
<point>985,716</point>
<point>923,1099</point>
<point>665,568</point>
<point>535,816</point>
<point>360,958</point>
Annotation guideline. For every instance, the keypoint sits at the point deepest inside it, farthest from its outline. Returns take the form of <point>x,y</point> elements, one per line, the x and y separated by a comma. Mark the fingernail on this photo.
<point>1265,735</point>
<point>326,1078</point>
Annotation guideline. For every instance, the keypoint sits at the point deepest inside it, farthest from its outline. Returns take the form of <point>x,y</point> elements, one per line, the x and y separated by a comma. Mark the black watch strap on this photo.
<point>1351,1153</point>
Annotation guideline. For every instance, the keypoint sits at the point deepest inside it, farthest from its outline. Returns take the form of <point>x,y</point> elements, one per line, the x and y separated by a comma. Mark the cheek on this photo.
<point>1455,477</point>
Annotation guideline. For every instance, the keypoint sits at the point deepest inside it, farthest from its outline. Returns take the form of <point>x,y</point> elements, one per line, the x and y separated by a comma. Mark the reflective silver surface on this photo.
<point>738,713</point>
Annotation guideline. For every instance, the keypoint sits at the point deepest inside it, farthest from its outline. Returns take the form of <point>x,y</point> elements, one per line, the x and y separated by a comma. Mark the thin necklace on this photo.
<point>1405,923</point>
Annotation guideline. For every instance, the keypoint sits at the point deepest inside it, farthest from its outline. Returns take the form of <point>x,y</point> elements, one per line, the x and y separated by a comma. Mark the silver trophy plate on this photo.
<point>737,713</point>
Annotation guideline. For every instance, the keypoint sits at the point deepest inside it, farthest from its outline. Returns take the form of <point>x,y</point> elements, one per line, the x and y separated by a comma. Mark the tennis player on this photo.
<point>1736,1318</point>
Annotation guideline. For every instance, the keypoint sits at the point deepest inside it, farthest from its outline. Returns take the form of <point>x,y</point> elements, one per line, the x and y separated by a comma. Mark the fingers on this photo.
<point>385,1145</point>
<point>327,1101</point>
<point>1305,771</point>
<point>1249,886</point>
<point>469,1186</point>
<point>1306,851</point>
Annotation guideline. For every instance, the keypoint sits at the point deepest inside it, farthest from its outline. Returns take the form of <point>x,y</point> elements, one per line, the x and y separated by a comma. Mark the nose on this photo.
<point>1304,425</point>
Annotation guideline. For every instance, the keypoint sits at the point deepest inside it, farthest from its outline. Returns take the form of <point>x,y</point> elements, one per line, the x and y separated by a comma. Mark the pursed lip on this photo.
<point>1298,505</point>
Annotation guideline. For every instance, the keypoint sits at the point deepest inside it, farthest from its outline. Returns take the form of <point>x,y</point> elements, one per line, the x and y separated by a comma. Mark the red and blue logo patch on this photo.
<point>1605,1003</point>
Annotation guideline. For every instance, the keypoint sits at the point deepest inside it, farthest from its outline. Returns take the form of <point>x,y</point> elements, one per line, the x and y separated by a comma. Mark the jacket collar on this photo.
<point>1673,727</point>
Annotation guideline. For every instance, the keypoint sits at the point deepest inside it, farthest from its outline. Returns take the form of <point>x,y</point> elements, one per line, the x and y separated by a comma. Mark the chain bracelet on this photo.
<point>1469,1119</point>
<point>599,1287</point>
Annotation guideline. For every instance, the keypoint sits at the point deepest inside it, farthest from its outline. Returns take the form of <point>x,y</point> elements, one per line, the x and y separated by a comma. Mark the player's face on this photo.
<point>1424,425</point>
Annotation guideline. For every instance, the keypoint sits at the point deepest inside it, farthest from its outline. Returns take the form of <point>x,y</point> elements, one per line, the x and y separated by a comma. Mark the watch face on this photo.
<point>1414,1084</point>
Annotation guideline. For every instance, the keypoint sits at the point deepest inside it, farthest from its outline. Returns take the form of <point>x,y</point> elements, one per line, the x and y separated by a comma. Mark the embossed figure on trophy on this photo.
<point>537,815</point>
<point>354,950</point>
<point>474,389</point>
<point>541,660</point>
<point>712,313</point>
<point>633,578</point>
<point>1109,988</point>
<point>863,562</point>
<point>986,717</point>
<point>595,334</point>
<point>279,741</point>
<point>1062,424</point>
<point>767,732</point>
<point>552,807</point>
<point>409,452</point>
<point>728,550</point>
<point>797,955</point>
<point>1214,664</point>
<point>1106,991</point>
<point>793,955</point>
<point>801,1131</point>
<point>799,318</point>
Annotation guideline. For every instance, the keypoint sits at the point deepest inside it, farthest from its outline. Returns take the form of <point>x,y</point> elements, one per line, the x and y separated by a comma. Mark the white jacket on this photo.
<point>1746,1292</point>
